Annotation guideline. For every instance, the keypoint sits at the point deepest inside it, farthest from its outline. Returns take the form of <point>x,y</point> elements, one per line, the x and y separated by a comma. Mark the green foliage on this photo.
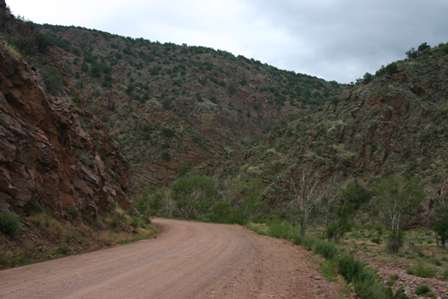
<point>350,199</point>
<point>149,203</point>
<point>245,194</point>
<point>423,290</point>
<point>326,249</point>
<point>368,286</point>
<point>33,43</point>
<point>168,133</point>
<point>349,267</point>
<point>440,223</point>
<point>54,82</point>
<point>388,70</point>
<point>412,53</point>
<point>365,280</point>
<point>368,77</point>
<point>445,274</point>
<point>282,229</point>
<point>222,211</point>
<point>194,195</point>
<point>329,270</point>
<point>397,198</point>
<point>9,223</point>
<point>422,270</point>
<point>422,48</point>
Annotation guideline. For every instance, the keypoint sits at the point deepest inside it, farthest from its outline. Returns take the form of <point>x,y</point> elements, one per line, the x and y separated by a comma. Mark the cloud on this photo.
<point>334,39</point>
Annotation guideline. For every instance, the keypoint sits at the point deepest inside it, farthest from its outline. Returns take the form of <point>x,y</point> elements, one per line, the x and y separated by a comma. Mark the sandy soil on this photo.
<point>187,260</point>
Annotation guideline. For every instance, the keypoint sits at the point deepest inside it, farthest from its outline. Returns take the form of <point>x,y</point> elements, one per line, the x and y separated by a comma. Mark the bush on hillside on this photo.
<point>390,69</point>
<point>440,224</point>
<point>9,223</point>
<point>422,270</point>
<point>422,290</point>
<point>397,198</point>
<point>194,195</point>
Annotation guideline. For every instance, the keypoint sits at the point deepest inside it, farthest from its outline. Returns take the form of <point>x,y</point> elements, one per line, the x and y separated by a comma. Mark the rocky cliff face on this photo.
<point>52,156</point>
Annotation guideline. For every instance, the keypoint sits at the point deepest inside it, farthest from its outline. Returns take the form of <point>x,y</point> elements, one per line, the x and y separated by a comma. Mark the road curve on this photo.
<point>187,260</point>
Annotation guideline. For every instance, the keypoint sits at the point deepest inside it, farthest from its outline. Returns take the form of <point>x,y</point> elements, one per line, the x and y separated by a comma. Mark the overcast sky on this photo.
<point>333,39</point>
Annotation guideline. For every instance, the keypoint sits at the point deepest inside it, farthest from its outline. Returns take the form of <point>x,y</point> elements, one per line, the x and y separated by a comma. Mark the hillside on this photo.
<point>393,123</point>
<point>172,108</point>
<point>175,109</point>
<point>62,178</point>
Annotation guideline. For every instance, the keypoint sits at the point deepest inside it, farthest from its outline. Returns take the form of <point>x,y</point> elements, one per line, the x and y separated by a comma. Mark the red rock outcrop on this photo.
<point>52,155</point>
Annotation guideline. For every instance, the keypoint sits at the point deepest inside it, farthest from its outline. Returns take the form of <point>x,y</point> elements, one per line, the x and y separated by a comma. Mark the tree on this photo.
<point>412,53</point>
<point>440,219</point>
<point>397,198</point>
<point>194,195</point>
<point>349,200</point>
<point>368,77</point>
<point>423,47</point>
<point>307,189</point>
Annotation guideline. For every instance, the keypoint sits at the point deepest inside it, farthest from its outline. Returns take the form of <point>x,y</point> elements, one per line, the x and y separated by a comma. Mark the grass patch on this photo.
<point>259,228</point>
<point>281,230</point>
<point>424,290</point>
<point>329,270</point>
<point>445,274</point>
<point>422,270</point>
<point>325,249</point>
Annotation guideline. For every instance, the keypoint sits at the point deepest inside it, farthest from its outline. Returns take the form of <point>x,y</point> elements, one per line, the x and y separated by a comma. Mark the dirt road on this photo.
<point>187,260</point>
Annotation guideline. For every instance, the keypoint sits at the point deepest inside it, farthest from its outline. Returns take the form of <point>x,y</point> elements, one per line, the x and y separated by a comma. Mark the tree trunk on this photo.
<point>302,229</point>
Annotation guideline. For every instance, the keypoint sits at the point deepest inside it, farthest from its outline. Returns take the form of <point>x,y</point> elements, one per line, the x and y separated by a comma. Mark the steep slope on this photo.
<point>63,182</point>
<point>394,123</point>
<point>52,155</point>
<point>47,158</point>
<point>172,107</point>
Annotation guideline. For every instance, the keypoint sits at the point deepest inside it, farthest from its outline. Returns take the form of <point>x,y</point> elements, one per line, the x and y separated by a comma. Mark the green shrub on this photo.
<point>47,223</point>
<point>194,195</point>
<point>326,249</point>
<point>54,82</point>
<point>351,198</point>
<point>149,203</point>
<point>307,243</point>
<point>368,286</point>
<point>440,223</point>
<point>445,274</point>
<point>389,69</point>
<point>349,267</point>
<point>168,133</point>
<point>281,229</point>
<point>422,270</point>
<point>392,280</point>
<point>223,212</point>
<point>422,290</point>
<point>9,223</point>
<point>400,294</point>
<point>166,156</point>
<point>329,270</point>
